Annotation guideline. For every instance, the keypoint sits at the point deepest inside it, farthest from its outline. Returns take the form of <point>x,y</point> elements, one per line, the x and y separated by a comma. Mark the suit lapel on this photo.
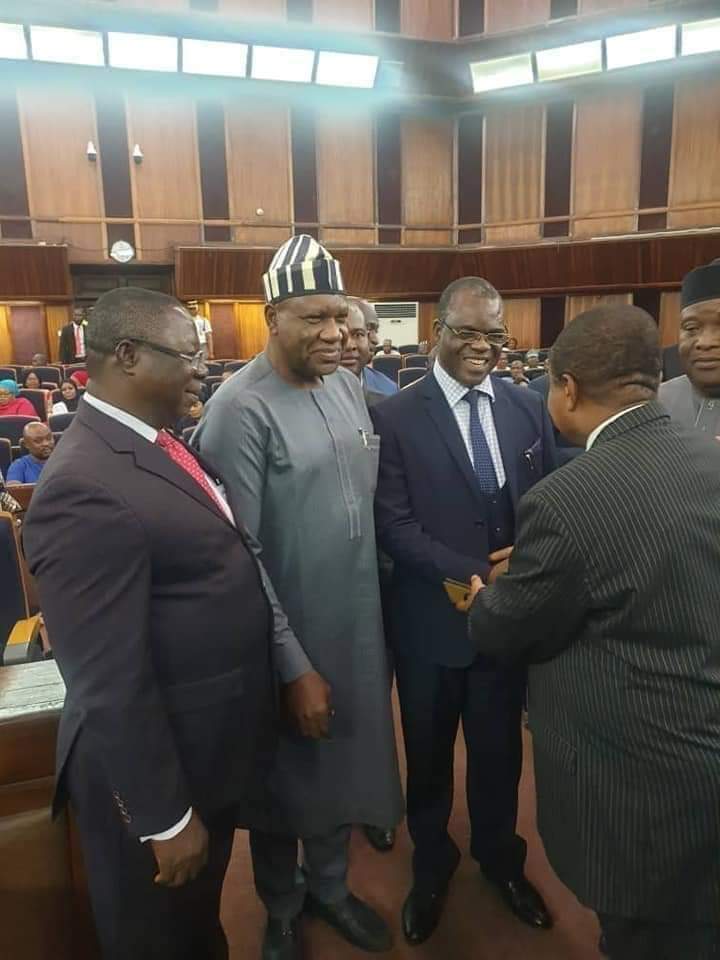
<point>442,416</point>
<point>503,415</point>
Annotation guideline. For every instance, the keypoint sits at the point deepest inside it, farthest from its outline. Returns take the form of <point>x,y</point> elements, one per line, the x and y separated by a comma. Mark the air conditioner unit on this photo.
<point>397,312</point>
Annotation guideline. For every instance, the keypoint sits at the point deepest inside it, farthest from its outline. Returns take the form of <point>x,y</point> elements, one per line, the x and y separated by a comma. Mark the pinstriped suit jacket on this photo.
<point>613,594</point>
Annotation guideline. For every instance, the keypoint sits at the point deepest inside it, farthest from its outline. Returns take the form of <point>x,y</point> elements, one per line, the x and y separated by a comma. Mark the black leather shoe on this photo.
<point>355,921</point>
<point>525,902</point>
<point>381,839</point>
<point>281,940</point>
<point>421,914</point>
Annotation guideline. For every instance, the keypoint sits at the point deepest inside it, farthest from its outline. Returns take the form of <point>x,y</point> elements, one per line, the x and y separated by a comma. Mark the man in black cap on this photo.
<point>694,399</point>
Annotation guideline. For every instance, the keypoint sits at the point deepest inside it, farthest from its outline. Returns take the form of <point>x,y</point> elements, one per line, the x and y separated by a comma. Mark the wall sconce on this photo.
<point>137,154</point>
<point>91,152</point>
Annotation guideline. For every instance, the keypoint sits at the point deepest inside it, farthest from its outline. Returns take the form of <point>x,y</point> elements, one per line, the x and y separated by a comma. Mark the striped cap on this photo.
<point>300,268</point>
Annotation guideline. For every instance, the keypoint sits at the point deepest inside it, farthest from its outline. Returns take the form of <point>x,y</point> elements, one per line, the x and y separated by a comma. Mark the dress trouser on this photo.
<point>135,918</point>
<point>282,885</point>
<point>433,701</point>
<point>628,939</point>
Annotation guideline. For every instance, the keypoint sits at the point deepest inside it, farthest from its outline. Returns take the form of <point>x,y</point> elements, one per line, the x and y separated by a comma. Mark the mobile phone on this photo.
<point>456,590</point>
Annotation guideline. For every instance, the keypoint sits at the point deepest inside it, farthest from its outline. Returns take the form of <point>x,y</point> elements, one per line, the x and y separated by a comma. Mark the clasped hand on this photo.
<point>309,703</point>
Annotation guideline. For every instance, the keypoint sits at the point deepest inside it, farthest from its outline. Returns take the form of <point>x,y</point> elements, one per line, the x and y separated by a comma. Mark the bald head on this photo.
<point>38,440</point>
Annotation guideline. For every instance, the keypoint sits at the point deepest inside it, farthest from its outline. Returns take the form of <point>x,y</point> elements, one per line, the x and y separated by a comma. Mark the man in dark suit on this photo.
<point>566,451</point>
<point>72,339</point>
<point>613,595</point>
<point>161,627</point>
<point>458,450</point>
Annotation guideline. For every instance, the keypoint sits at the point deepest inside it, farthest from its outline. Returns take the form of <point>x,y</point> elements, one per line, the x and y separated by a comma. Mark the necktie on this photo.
<point>79,347</point>
<point>186,461</point>
<point>484,466</point>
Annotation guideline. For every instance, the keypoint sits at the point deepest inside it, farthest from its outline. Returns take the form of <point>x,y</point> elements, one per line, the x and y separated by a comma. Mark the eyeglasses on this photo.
<point>469,335</point>
<point>194,359</point>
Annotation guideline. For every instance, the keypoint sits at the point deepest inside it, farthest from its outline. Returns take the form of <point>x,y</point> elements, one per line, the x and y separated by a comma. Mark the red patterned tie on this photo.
<point>186,461</point>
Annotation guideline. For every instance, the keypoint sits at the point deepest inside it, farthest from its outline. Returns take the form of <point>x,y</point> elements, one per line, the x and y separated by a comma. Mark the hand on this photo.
<point>500,561</point>
<point>309,705</point>
<point>476,585</point>
<point>182,858</point>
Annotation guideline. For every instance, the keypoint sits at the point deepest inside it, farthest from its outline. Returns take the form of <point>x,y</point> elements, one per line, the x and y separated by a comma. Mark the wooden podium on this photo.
<point>44,908</point>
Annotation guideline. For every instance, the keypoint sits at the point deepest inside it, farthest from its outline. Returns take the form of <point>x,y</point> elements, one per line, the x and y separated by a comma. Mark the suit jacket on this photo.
<point>377,382</point>
<point>566,450</point>
<point>159,624</point>
<point>614,594</point>
<point>67,343</point>
<point>430,514</point>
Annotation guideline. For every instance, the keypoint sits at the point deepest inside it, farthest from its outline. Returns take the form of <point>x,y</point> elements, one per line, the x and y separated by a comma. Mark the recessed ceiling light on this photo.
<point>513,71</point>
<point>12,42</point>
<point>215,58</point>
<point>702,36</point>
<point>647,46</point>
<point>60,45</point>
<point>346,69</point>
<point>571,61</point>
<point>143,51</point>
<point>282,63</point>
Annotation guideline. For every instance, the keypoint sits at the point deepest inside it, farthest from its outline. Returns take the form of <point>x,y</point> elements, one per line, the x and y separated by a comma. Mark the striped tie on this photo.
<point>483,462</point>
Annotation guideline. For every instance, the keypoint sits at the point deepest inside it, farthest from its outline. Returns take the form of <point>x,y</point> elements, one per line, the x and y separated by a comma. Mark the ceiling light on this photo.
<point>60,45</point>
<point>215,58</point>
<point>346,69</point>
<point>572,61</point>
<point>282,63</point>
<point>647,46</point>
<point>143,51</point>
<point>12,41</point>
<point>506,72</point>
<point>702,36</point>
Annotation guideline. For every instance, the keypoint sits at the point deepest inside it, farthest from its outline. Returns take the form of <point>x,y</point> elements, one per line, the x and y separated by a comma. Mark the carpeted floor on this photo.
<point>475,925</point>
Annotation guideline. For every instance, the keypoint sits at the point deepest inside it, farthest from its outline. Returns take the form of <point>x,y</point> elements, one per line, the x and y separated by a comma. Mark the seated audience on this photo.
<point>191,418</point>
<point>40,443</point>
<point>8,503</point>
<point>532,360</point>
<point>32,381</point>
<point>70,398</point>
<point>387,349</point>
<point>11,405</point>
<point>502,363</point>
<point>517,372</point>
<point>80,378</point>
<point>39,360</point>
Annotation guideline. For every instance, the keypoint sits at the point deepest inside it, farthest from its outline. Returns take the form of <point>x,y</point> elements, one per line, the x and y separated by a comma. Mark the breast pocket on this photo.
<point>371,456</point>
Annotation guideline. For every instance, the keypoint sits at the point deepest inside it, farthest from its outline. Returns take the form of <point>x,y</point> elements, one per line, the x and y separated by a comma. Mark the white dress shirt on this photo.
<point>454,394</point>
<point>606,423</point>
<point>202,325</point>
<point>150,434</point>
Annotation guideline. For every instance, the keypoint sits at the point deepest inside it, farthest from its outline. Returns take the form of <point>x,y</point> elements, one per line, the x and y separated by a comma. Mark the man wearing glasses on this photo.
<point>161,627</point>
<point>457,453</point>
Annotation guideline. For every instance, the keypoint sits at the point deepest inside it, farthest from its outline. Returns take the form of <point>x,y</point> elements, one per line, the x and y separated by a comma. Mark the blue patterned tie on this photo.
<point>484,466</point>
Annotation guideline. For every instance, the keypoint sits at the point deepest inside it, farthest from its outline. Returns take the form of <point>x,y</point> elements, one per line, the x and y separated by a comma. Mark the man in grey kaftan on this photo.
<point>693,400</point>
<point>294,442</point>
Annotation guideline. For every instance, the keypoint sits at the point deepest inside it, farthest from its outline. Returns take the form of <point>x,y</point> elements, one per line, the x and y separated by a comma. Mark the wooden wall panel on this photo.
<point>222,320</point>
<point>427,316</point>
<point>6,348</point>
<point>522,319</point>
<point>247,9</point>
<point>513,171</point>
<point>252,332</point>
<point>695,170</point>
<point>502,15</point>
<point>166,185</point>
<point>577,305</point>
<point>348,14</point>
<point>669,318</point>
<point>608,129</point>
<point>427,180</point>
<point>33,272</point>
<point>601,6</point>
<point>28,331</point>
<point>428,19</point>
<point>345,148</point>
<point>61,182</point>
<point>56,317</point>
<point>258,142</point>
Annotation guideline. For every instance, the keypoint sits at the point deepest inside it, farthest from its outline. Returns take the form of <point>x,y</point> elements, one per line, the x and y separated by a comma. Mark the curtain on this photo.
<point>251,329</point>
<point>56,317</point>
<point>6,348</point>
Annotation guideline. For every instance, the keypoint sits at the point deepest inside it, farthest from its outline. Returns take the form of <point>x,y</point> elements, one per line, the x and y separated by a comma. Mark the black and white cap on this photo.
<point>300,268</point>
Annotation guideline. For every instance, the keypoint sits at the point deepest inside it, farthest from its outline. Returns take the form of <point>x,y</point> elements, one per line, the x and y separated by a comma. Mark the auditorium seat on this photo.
<point>12,428</point>
<point>410,375</point>
<point>5,456</point>
<point>60,421</point>
<point>387,365</point>
<point>212,383</point>
<point>416,360</point>
<point>70,368</point>
<point>48,374</point>
<point>39,399</point>
<point>236,365</point>
<point>407,348</point>
<point>19,631</point>
<point>214,368</point>
<point>214,387</point>
<point>8,373</point>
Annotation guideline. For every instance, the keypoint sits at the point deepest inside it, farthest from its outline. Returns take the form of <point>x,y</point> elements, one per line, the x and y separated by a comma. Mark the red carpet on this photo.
<point>475,926</point>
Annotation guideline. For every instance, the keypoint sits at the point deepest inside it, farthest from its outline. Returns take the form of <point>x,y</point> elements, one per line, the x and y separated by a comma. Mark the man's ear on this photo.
<point>127,355</point>
<point>571,391</point>
<point>271,318</point>
<point>437,330</point>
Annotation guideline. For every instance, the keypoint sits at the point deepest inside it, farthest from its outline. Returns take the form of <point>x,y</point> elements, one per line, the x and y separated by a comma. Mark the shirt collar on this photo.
<point>606,423</point>
<point>122,416</point>
<point>454,390</point>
